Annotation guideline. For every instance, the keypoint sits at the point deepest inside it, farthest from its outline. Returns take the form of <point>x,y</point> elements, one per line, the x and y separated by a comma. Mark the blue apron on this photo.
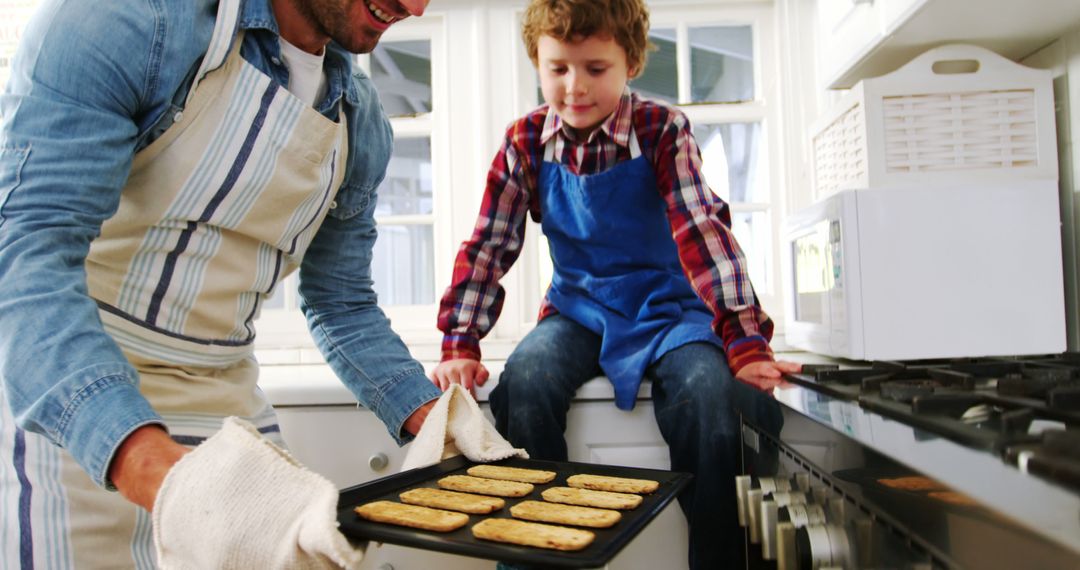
<point>617,268</point>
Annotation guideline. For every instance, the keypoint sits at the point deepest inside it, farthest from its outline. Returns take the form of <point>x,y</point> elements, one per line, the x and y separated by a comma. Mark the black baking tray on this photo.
<point>607,544</point>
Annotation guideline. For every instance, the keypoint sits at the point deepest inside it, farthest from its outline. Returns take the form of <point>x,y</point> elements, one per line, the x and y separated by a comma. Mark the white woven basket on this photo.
<point>925,125</point>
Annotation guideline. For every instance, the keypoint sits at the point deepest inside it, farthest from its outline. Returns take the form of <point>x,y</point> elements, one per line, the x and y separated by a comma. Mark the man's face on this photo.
<point>357,25</point>
<point>582,81</point>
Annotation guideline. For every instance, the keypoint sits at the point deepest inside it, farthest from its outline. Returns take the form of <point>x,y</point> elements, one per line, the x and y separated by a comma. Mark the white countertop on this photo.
<point>316,385</point>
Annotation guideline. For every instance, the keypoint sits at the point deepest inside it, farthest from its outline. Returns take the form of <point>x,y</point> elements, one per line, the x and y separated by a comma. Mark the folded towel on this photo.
<point>455,426</point>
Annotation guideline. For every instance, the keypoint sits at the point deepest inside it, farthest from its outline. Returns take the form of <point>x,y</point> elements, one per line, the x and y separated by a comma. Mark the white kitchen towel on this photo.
<point>455,426</point>
<point>238,501</point>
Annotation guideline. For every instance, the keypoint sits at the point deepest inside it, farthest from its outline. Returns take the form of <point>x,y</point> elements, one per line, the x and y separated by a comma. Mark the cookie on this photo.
<point>412,516</point>
<point>532,534</point>
<point>511,473</point>
<point>587,498</point>
<point>565,514</point>
<point>468,484</point>
<point>613,484</point>
<point>452,501</point>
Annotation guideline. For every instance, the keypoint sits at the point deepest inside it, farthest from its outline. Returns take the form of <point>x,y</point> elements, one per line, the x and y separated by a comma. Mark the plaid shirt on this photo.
<point>700,224</point>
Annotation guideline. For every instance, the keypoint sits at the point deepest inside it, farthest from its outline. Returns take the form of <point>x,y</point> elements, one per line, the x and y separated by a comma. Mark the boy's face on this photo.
<point>582,81</point>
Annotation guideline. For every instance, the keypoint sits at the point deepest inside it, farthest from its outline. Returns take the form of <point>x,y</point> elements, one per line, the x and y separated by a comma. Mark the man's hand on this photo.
<point>238,501</point>
<point>142,461</point>
<point>416,419</point>
<point>766,374</point>
<point>465,371</point>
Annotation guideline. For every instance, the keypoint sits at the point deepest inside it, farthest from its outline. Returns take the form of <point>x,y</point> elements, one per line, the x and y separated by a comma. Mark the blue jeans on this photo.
<point>696,400</point>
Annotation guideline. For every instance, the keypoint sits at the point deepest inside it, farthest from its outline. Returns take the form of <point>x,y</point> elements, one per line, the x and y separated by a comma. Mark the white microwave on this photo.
<point>919,273</point>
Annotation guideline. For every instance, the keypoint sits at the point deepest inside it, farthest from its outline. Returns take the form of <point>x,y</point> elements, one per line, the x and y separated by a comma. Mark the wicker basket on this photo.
<point>924,125</point>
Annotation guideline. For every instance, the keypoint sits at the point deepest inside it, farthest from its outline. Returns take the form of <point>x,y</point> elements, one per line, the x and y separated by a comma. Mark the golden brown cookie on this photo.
<point>511,473</point>
<point>452,500</point>
<point>533,534</point>
<point>412,516</point>
<point>613,484</point>
<point>587,498</point>
<point>565,514</point>
<point>468,484</point>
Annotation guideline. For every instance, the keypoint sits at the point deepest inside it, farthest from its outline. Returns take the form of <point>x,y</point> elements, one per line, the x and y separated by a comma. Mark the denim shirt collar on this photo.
<point>258,15</point>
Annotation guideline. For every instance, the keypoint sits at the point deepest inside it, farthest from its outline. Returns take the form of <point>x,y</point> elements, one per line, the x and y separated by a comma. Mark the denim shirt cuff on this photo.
<point>101,421</point>
<point>400,398</point>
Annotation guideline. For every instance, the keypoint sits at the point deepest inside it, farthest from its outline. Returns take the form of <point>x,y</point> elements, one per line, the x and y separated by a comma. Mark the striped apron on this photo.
<point>215,213</point>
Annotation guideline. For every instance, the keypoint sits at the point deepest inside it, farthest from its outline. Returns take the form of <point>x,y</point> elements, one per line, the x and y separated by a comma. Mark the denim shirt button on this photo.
<point>275,60</point>
<point>179,116</point>
<point>333,204</point>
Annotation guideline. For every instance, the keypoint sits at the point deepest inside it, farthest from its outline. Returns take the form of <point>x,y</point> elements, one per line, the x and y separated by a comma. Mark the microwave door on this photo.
<point>821,259</point>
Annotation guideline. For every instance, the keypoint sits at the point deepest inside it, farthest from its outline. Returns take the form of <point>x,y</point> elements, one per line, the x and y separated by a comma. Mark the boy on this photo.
<point>649,281</point>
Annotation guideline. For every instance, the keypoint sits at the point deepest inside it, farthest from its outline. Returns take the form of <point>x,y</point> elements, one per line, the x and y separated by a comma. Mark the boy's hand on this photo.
<point>465,371</point>
<point>766,375</point>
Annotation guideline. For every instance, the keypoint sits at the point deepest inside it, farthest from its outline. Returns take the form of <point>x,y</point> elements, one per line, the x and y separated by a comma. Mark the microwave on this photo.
<point>918,273</point>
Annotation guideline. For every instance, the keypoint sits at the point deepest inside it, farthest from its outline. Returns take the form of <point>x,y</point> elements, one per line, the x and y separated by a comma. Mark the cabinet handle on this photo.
<point>386,566</point>
<point>378,462</point>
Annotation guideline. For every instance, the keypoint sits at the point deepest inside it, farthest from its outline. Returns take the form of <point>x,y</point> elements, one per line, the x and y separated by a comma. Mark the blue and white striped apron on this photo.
<point>215,213</point>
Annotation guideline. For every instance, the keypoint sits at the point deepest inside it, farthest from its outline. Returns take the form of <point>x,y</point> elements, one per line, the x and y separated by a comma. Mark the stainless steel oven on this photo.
<point>969,463</point>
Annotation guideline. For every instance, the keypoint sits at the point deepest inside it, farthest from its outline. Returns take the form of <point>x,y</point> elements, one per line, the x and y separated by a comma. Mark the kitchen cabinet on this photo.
<point>349,445</point>
<point>867,38</point>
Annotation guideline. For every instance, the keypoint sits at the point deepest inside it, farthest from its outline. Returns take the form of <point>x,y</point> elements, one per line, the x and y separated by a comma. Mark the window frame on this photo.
<point>493,87</point>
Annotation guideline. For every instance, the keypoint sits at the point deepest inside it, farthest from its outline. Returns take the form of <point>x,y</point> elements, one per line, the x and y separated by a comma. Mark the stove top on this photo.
<point>1026,409</point>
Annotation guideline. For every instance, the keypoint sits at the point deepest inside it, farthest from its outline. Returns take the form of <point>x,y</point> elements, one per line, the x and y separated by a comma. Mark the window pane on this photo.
<point>407,188</point>
<point>753,230</point>
<point>734,161</point>
<point>403,265</point>
<point>402,74</point>
<point>660,78</point>
<point>722,64</point>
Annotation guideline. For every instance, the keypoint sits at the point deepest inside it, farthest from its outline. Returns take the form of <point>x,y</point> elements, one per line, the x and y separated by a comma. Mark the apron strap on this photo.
<point>228,15</point>
<point>635,147</point>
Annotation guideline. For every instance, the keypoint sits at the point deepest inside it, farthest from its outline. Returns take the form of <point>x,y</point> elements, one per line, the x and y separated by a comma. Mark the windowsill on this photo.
<point>300,377</point>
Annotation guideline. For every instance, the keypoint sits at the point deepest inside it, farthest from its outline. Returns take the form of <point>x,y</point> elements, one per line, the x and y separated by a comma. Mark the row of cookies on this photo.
<point>477,493</point>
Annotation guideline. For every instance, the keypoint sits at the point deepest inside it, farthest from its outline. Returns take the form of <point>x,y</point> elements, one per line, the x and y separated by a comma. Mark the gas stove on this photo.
<point>1025,409</point>
<point>960,463</point>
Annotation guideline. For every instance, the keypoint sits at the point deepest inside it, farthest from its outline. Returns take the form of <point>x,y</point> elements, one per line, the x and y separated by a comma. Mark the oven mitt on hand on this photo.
<point>238,501</point>
<point>454,426</point>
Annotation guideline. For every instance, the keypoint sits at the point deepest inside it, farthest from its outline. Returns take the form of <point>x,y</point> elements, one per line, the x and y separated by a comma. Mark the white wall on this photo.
<point>1063,57</point>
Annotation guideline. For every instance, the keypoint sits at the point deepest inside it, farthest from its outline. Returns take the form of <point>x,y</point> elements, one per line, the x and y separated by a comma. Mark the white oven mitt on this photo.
<point>238,501</point>
<point>454,426</point>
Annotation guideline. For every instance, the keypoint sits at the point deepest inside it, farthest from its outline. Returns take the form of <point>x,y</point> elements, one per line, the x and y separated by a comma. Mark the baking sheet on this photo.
<point>607,544</point>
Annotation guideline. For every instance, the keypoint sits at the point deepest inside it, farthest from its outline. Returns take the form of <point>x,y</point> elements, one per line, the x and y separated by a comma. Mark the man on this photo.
<point>163,165</point>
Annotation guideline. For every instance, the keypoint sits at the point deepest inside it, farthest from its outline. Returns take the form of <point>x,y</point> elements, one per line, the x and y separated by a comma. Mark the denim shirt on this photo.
<point>92,83</point>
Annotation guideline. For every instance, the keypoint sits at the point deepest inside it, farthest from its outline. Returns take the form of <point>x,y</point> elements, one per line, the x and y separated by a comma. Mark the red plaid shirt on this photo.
<point>700,224</point>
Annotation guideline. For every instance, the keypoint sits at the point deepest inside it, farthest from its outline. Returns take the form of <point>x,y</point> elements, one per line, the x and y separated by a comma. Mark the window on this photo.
<point>712,62</point>
<point>715,60</point>
<point>405,68</point>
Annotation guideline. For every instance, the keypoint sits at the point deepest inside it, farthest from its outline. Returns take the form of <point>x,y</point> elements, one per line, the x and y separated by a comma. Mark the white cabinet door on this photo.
<point>850,30</point>
<point>598,432</point>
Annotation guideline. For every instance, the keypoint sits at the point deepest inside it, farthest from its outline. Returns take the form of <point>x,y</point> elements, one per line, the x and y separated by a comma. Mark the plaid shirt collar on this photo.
<point>616,126</point>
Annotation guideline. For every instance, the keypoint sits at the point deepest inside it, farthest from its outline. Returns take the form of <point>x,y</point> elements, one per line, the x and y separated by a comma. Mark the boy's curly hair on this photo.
<point>627,21</point>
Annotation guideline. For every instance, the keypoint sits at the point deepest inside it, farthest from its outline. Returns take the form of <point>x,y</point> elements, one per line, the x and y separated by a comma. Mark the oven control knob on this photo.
<point>823,546</point>
<point>378,462</point>
<point>753,518</point>
<point>802,514</point>
<point>786,556</point>
<point>769,520</point>
<point>802,482</point>
<point>785,498</point>
<point>742,487</point>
